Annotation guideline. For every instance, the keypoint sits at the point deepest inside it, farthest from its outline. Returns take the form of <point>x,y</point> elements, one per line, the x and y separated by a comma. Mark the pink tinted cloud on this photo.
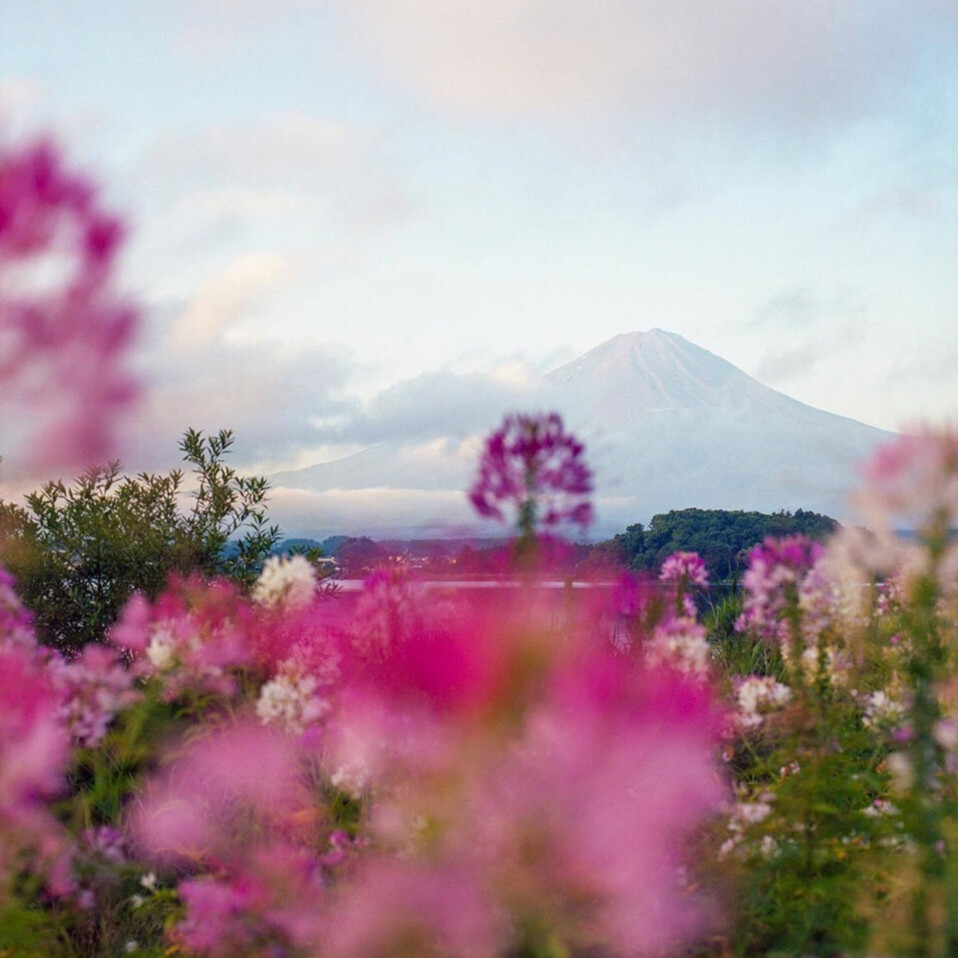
<point>777,60</point>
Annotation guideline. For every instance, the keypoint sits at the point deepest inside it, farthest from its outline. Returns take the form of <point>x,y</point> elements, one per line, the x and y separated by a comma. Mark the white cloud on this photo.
<point>435,405</point>
<point>19,96</point>
<point>777,61</point>
<point>225,296</point>
<point>268,392</point>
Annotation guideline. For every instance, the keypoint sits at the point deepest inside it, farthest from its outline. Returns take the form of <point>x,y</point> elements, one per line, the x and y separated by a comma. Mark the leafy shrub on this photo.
<point>79,551</point>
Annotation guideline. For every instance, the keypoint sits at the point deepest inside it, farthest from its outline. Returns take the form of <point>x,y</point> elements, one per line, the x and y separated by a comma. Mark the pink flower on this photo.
<point>93,687</point>
<point>237,803</point>
<point>276,899</point>
<point>914,480</point>
<point>191,637</point>
<point>684,569</point>
<point>65,340</point>
<point>16,622</point>
<point>534,466</point>
<point>229,790</point>
<point>420,648</point>
<point>33,753</point>
<point>776,569</point>
<point>407,908</point>
<point>584,821</point>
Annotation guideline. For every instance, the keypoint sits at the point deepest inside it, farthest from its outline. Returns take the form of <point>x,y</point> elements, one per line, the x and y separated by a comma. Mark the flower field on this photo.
<point>654,768</point>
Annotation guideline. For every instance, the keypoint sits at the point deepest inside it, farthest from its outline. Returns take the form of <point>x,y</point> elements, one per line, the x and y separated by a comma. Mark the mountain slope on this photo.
<point>668,425</point>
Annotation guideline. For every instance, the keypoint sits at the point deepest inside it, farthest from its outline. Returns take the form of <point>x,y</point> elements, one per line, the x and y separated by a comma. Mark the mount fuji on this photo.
<point>667,425</point>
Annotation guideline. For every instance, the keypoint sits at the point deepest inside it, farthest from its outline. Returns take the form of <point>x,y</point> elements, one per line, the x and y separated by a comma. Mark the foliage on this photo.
<point>721,537</point>
<point>80,550</point>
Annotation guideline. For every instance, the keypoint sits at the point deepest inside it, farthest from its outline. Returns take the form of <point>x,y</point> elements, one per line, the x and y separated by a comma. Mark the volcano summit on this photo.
<point>668,425</point>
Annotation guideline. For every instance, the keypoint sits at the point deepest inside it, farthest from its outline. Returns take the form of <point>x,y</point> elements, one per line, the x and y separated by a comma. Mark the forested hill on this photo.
<point>721,537</point>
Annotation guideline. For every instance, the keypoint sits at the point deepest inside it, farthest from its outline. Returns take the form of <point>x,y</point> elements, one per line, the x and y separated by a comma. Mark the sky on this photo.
<point>336,204</point>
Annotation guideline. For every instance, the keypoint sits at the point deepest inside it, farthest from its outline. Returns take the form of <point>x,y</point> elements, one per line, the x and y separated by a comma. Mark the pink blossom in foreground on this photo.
<point>16,622</point>
<point>913,479</point>
<point>93,687</point>
<point>413,646</point>
<point>236,802</point>
<point>66,335</point>
<point>584,821</point>
<point>227,791</point>
<point>407,908</point>
<point>191,637</point>
<point>532,465</point>
<point>272,904</point>
<point>33,754</point>
<point>775,572</point>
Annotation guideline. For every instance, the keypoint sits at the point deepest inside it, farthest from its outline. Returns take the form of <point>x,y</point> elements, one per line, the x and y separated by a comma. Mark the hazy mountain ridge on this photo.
<point>668,425</point>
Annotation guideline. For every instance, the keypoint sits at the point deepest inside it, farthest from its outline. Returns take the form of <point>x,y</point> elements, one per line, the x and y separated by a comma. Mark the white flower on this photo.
<point>749,813</point>
<point>946,733</point>
<point>682,645</point>
<point>882,711</point>
<point>899,765</point>
<point>289,700</point>
<point>162,649</point>
<point>758,695</point>
<point>880,807</point>
<point>351,778</point>
<point>287,581</point>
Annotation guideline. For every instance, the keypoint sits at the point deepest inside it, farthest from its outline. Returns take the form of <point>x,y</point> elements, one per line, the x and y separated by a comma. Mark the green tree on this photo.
<point>80,550</point>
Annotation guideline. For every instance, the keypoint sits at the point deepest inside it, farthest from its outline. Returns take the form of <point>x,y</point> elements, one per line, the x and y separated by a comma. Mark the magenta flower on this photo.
<point>405,908</point>
<point>191,637</point>
<point>685,569</point>
<point>532,465</point>
<point>34,749</point>
<point>582,825</point>
<point>913,482</point>
<point>66,339</point>
<point>776,570</point>
<point>229,791</point>
<point>94,687</point>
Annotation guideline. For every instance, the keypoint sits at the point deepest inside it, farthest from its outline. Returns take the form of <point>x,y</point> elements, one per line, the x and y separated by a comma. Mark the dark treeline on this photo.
<point>721,537</point>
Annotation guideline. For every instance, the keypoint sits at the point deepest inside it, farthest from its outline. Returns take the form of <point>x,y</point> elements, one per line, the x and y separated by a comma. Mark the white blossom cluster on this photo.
<point>758,695</point>
<point>742,816</point>
<point>682,645</point>
<point>162,648</point>
<point>882,711</point>
<point>290,701</point>
<point>287,581</point>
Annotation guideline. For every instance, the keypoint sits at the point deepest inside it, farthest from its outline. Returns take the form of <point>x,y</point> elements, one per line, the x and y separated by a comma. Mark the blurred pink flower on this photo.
<point>228,790</point>
<point>236,804</point>
<point>775,572</point>
<point>34,749</point>
<point>16,622</point>
<point>93,688</point>
<point>583,823</point>
<point>418,647</point>
<point>271,904</point>
<point>532,465</point>
<point>65,334</point>
<point>191,637</point>
<point>407,908</point>
<point>913,480</point>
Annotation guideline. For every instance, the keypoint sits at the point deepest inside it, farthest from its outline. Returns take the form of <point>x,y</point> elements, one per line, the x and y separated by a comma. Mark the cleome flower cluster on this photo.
<point>643,768</point>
